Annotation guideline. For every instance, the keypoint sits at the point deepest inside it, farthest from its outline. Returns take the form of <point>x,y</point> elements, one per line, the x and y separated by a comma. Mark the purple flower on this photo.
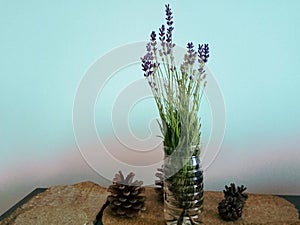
<point>170,29</point>
<point>169,23</point>
<point>153,41</point>
<point>191,56</point>
<point>203,53</point>
<point>147,66</point>
<point>169,15</point>
<point>148,47</point>
<point>201,69</point>
<point>169,34</point>
<point>153,36</point>
<point>147,61</point>
<point>190,47</point>
<point>162,33</point>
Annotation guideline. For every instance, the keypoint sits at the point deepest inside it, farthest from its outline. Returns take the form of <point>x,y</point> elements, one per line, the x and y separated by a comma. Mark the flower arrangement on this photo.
<point>177,91</point>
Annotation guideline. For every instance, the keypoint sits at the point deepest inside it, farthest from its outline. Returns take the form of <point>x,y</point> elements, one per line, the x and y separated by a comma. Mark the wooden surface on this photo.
<point>80,203</point>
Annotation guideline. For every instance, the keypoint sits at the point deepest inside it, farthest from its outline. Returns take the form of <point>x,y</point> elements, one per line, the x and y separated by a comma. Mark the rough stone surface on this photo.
<point>80,203</point>
<point>259,209</point>
<point>67,204</point>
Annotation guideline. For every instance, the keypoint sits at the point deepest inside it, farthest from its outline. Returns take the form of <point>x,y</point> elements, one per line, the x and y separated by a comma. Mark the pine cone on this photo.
<point>235,192</point>
<point>160,184</point>
<point>231,207</point>
<point>126,198</point>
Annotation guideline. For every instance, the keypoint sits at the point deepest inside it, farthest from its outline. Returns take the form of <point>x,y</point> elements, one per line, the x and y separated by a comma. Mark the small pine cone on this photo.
<point>232,191</point>
<point>231,207</point>
<point>160,184</point>
<point>127,198</point>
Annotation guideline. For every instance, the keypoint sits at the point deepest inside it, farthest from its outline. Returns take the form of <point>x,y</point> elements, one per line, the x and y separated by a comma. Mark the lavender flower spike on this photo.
<point>169,15</point>
<point>162,36</point>
<point>190,57</point>
<point>169,23</point>
<point>190,47</point>
<point>203,52</point>
<point>147,62</point>
<point>153,41</point>
<point>153,36</point>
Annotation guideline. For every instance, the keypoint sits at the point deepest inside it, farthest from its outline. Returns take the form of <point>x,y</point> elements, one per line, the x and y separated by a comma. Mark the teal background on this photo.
<point>46,47</point>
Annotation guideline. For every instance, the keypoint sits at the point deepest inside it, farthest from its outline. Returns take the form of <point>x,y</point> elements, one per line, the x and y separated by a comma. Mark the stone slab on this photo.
<point>79,204</point>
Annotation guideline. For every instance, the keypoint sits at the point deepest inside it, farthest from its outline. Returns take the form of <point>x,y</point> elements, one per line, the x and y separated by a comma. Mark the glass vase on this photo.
<point>183,190</point>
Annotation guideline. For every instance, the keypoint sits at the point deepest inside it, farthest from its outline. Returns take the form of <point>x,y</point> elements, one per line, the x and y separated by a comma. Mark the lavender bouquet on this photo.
<point>178,91</point>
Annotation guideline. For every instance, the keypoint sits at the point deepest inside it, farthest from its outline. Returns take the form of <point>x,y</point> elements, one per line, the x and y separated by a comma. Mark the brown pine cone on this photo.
<point>127,198</point>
